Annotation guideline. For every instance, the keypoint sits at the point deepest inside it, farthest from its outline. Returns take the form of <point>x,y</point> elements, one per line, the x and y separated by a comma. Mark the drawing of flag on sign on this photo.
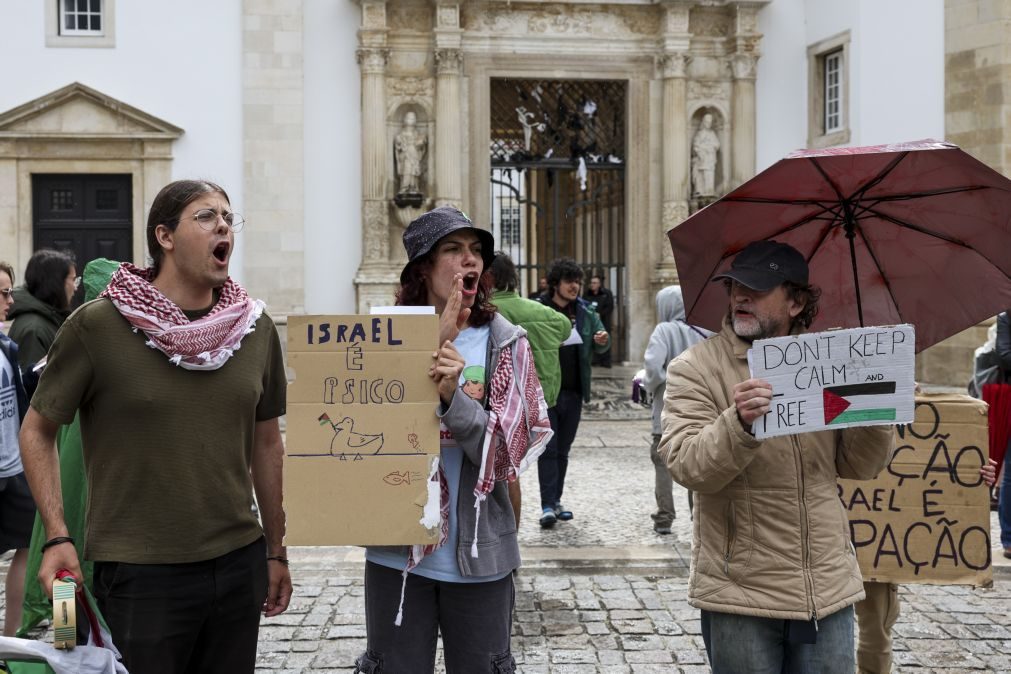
<point>857,402</point>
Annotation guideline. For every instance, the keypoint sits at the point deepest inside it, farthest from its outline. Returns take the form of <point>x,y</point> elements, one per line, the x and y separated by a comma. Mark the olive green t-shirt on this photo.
<point>166,450</point>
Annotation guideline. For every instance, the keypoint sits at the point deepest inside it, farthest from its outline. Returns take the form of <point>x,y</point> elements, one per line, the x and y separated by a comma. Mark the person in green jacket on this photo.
<point>565,277</point>
<point>42,303</point>
<point>546,330</point>
<point>37,606</point>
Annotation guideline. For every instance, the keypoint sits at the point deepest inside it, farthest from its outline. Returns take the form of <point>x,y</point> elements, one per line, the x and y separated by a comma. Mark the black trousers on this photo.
<point>553,464</point>
<point>475,620</point>
<point>185,618</point>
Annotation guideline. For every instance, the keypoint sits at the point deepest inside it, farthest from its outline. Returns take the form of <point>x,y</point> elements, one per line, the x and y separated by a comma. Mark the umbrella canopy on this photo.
<point>908,233</point>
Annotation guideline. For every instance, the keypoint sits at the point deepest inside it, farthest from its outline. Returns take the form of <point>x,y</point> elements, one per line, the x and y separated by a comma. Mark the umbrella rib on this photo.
<point>860,191</point>
<point>771,200</point>
<point>928,193</point>
<point>877,264</point>
<point>938,235</point>
<point>918,228</point>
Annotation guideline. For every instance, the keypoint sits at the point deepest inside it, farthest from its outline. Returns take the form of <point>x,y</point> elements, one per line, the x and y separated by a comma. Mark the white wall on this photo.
<point>901,70</point>
<point>781,84</point>
<point>332,155</point>
<point>179,61</point>
<point>896,70</point>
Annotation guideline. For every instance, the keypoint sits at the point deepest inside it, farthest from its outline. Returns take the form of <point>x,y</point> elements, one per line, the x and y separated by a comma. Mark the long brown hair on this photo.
<point>414,291</point>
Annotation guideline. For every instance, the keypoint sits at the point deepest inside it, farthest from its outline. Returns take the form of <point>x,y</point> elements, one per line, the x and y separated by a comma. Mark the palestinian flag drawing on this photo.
<point>852,403</point>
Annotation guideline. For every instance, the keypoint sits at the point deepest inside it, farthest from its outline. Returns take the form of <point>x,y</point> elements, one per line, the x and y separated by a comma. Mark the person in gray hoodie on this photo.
<point>670,337</point>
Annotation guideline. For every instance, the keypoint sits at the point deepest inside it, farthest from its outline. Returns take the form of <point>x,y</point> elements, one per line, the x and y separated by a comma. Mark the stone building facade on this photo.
<point>977,111</point>
<point>680,60</point>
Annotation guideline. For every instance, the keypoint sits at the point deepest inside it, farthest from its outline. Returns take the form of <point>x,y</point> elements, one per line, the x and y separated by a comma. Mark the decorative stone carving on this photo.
<point>674,65</point>
<point>709,22</point>
<point>409,149</point>
<point>375,232</point>
<point>410,17</point>
<point>674,213</point>
<point>373,60</point>
<point>562,19</point>
<point>676,19</point>
<point>448,61</point>
<point>410,87</point>
<point>744,66</point>
<point>705,152</point>
<point>374,15</point>
<point>747,20</point>
<point>448,16</point>
<point>708,90</point>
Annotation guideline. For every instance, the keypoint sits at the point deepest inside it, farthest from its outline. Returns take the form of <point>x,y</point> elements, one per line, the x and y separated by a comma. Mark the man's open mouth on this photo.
<point>220,251</point>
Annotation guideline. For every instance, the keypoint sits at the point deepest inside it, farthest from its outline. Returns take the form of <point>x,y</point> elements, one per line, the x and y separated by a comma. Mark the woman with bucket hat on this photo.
<point>494,424</point>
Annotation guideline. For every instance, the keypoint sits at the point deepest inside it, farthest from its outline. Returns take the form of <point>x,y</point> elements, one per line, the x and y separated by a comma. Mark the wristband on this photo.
<point>58,540</point>
<point>279,559</point>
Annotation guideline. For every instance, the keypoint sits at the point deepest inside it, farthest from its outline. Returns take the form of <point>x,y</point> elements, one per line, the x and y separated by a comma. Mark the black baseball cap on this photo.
<point>763,265</point>
<point>428,228</point>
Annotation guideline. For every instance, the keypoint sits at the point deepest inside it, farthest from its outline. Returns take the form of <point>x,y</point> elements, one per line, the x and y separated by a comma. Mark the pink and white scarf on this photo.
<point>517,434</point>
<point>204,344</point>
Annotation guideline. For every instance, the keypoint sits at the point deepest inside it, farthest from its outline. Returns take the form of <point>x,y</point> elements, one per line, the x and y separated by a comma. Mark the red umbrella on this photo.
<point>908,233</point>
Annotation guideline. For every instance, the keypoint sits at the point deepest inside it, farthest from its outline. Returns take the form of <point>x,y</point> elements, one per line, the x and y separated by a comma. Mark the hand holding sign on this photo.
<point>752,398</point>
<point>835,379</point>
<point>446,371</point>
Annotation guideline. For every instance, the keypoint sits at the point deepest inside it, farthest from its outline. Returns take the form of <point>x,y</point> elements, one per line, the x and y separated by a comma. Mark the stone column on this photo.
<point>742,162</point>
<point>377,277</point>
<point>448,118</point>
<point>673,66</point>
<point>675,139</point>
<point>375,234</point>
<point>743,64</point>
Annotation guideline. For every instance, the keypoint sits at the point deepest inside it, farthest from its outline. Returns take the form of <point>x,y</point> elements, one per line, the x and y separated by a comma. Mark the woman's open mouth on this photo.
<point>470,282</point>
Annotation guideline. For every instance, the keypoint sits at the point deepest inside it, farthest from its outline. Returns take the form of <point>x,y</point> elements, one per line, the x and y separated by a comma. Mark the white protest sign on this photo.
<point>836,379</point>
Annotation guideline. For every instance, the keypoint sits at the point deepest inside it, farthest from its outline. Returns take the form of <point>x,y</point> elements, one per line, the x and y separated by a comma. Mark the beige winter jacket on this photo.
<point>771,538</point>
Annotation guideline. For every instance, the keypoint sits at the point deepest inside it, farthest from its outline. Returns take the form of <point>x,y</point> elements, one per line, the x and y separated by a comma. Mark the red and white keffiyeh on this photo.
<point>517,434</point>
<point>204,344</point>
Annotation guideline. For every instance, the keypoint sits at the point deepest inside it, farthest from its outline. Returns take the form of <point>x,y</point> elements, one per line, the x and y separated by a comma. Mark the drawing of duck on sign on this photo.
<point>346,440</point>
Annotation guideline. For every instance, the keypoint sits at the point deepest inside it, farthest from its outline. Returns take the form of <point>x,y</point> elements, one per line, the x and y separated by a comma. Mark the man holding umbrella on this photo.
<point>772,566</point>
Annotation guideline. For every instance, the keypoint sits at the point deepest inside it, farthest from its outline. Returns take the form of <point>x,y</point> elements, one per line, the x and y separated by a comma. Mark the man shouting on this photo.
<point>179,379</point>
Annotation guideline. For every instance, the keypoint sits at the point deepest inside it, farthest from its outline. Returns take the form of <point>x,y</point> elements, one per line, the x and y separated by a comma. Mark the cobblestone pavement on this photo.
<point>604,593</point>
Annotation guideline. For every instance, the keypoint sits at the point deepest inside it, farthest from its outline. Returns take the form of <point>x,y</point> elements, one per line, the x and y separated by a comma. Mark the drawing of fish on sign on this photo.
<point>399,477</point>
<point>348,441</point>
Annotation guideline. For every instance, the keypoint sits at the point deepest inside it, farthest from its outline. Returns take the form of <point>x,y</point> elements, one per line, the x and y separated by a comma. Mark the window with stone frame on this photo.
<point>81,18</point>
<point>80,23</point>
<point>828,92</point>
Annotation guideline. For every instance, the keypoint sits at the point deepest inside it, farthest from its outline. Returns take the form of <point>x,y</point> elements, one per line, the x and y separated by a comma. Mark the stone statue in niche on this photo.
<point>409,148</point>
<point>705,150</point>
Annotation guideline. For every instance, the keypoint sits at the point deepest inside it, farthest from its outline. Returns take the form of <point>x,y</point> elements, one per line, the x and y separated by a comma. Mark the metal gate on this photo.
<point>558,181</point>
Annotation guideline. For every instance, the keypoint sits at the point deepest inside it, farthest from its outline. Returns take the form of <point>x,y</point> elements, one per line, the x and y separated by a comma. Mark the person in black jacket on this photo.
<point>602,300</point>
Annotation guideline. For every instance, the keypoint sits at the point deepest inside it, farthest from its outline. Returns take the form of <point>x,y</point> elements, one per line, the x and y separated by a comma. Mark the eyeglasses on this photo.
<point>7,292</point>
<point>208,219</point>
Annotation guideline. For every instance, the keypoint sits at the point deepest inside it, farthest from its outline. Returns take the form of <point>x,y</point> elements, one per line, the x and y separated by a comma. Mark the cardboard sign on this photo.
<point>362,440</point>
<point>926,517</point>
<point>836,379</point>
